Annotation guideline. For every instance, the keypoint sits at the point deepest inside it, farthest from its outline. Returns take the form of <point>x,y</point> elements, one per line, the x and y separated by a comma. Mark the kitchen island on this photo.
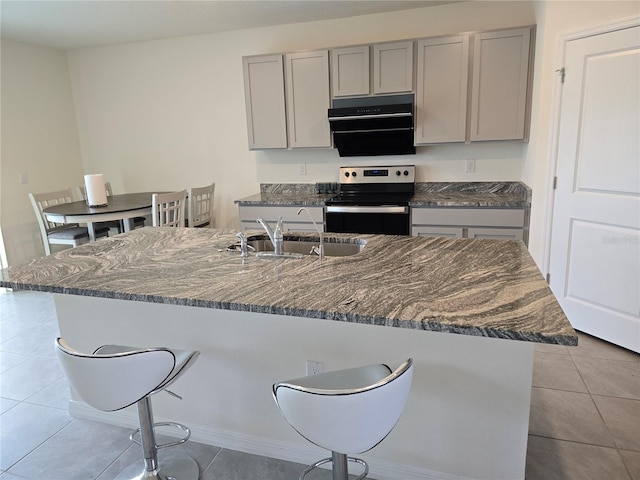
<point>468,312</point>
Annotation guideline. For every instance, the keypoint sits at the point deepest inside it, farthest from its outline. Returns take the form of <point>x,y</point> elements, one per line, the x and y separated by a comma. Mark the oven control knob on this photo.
<point>406,173</point>
<point>354,174</point>
<point>346,174</point>
<point>398,173</point>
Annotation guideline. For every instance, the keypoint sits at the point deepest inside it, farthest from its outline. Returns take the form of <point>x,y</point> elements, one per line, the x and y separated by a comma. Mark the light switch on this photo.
<point>23,178</point>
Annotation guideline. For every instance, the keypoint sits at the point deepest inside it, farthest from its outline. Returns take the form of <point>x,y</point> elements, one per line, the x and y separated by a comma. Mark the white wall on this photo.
<point>39,138</point>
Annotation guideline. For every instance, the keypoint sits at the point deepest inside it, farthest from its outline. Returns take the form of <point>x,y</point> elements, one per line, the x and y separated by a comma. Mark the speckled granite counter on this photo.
<point>472,194</point>
<point>480,288</point>
<point>428,194</point>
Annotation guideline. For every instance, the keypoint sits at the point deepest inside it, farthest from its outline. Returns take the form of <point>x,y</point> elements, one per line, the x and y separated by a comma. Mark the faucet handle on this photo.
<point>243,244</point>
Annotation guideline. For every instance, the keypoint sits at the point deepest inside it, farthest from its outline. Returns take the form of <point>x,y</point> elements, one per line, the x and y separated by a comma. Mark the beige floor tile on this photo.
<point>622,417</point>
<point>614,378</point>
<point>567,416</point>
<point>549,459</point>
<point>558,372</point>
<point>632,462</point>
<point>551,348</point>
<point>589,346</point>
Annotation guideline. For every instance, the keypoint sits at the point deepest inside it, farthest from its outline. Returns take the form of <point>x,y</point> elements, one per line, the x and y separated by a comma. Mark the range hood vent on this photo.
<point>372,126</point>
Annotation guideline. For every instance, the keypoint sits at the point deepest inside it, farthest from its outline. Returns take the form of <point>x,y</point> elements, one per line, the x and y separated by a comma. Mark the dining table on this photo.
<point>123,207</point>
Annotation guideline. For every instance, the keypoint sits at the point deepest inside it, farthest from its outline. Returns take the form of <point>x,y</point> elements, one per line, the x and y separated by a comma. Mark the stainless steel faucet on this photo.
<point>274,235</point>
<point>320,248</point>
<point>244,251</point>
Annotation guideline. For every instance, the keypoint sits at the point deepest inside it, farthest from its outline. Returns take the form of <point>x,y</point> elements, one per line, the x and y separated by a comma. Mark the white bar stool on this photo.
<point>115,377</point>
<point>346,411</point>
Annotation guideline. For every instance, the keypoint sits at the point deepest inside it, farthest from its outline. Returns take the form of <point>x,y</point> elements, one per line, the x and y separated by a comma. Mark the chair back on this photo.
<point>201,206</point>
<point>81,192</point>
<point>40,201</point>
<point>167,209</point>
<point>114,381</point>
<point>353,410</point>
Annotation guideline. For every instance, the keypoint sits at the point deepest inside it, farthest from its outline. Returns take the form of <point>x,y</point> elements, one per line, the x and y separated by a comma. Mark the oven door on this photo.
<point>384,220</point>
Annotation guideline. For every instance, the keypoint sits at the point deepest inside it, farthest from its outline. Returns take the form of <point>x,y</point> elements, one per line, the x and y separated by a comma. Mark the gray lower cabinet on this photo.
<point>291,220</point>
<point>459,222</point>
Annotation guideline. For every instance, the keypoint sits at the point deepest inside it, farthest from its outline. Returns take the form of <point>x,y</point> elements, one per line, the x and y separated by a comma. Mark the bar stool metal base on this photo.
<point>340,471</point>
<point>175,466</point>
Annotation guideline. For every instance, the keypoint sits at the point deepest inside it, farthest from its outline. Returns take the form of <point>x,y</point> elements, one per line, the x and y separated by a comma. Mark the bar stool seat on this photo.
<point>347,411</point>
<point>114,377</point>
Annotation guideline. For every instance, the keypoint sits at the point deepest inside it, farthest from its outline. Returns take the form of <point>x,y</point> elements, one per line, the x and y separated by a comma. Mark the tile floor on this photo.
<point>584,424</point>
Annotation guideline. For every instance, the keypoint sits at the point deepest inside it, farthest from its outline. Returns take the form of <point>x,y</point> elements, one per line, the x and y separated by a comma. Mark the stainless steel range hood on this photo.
<point>372,126</point>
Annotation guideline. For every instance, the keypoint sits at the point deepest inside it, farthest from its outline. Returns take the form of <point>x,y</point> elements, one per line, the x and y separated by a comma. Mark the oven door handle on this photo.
<point>364,209</point>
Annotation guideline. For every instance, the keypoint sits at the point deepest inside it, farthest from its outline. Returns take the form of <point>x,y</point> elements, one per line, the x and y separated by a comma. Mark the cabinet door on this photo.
<point>500,82</point>
<point>442,83</point>
<point>350,71</point>
<point>308,100</point>
<point>393,67</point>
<point>264,101</point>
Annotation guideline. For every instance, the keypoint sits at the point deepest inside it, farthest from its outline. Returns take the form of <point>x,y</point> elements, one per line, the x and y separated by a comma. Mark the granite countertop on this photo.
<point>427,194</point>
<point>488,288</point>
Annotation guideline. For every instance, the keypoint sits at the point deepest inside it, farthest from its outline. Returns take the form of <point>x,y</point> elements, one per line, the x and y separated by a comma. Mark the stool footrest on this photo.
<point>319,463</point>
<point>187,433</point>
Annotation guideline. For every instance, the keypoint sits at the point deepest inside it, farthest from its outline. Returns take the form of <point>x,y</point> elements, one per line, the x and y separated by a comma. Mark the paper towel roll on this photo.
<point>96,190</point>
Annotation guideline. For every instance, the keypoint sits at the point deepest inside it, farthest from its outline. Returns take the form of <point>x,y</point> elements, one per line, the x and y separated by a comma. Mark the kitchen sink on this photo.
<point>304,247</point>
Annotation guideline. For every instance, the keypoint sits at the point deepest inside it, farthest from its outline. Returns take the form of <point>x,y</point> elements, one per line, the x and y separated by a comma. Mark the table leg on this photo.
<point>128,224</point>
<point>92,232</point>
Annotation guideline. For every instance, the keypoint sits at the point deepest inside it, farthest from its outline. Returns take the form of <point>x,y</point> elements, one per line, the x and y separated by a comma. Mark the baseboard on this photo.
<point>260,446</point>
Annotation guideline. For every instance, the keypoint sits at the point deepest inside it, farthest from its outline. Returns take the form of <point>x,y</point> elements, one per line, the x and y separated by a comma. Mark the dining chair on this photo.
<point>167,209</point>
<point>71,234</point>
<point>117,225</point>
<point>201,206</point>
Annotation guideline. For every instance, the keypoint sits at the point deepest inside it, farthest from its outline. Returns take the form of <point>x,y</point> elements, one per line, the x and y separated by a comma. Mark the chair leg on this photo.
<point>174,467</point>
<point>339,469</point>
<point>147,435</point>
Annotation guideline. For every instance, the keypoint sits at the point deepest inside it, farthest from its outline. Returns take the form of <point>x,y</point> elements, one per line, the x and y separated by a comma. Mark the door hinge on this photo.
<point>548,279</point>
<point>555,182</point>
<point>561,72</point>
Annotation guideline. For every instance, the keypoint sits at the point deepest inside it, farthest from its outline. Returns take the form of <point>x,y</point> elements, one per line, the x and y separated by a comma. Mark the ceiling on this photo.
<point>65,25</point>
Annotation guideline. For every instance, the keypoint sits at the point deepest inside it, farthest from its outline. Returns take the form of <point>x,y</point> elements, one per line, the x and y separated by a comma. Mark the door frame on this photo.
<point>563,40</point>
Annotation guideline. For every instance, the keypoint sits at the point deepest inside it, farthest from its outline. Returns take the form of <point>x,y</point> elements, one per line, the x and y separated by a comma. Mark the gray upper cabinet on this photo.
<point>469,88</point>
<point>308,99</point>
<point>500,85</point>
<point>350,71</point>
<point>442,84</point>
<point>264,101</point>
<point>393,67</point>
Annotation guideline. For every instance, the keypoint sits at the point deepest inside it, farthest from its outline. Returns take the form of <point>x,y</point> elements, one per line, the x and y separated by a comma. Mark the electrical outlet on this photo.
<point>314,367</point>
<point>470,166</point>
<point>302,168</point>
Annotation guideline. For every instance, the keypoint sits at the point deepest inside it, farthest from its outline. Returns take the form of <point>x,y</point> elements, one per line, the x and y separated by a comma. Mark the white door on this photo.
<point>595,238</point>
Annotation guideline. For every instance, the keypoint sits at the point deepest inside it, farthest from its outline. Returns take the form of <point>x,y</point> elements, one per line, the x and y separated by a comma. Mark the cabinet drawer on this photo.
<point>250,213</point>
<point>482,217</point>
<point>496,233</point>
<point>426,231</point>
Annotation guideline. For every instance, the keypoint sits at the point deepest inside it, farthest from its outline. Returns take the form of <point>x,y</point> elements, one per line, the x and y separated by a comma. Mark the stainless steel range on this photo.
<point>372,200</point>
